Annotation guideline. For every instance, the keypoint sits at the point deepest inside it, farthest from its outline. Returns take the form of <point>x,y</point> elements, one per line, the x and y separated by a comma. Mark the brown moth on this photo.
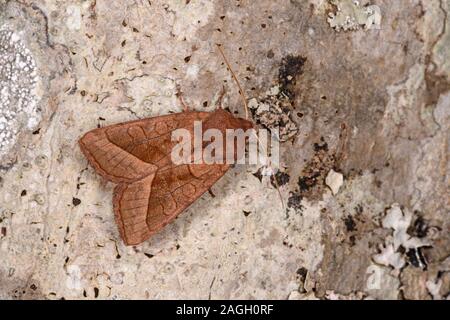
<point>151,190</point>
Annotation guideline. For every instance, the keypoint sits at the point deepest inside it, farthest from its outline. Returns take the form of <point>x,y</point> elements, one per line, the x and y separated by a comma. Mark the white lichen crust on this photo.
<point>399,221</point>
<point>18,79</point>
<point>351,16</point>
<point>334,181</point>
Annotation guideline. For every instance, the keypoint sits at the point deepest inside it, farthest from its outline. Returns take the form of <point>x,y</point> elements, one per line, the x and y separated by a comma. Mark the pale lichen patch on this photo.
<point>399,221</point>
<point>18,80</point>
<point>334,181</point>
<point>273,111</point>
<point>351,16</point>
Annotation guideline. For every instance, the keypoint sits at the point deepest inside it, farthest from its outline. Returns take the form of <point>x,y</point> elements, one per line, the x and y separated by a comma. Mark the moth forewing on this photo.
<point>213,150</point>
<point>182,150</point>
<point>235,145</point>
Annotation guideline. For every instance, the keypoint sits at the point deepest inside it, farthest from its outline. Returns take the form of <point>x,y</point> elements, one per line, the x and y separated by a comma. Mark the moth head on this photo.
<point>226,120</point>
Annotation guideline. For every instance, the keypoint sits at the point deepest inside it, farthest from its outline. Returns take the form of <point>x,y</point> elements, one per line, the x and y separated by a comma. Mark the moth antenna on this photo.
<point>241,92</point>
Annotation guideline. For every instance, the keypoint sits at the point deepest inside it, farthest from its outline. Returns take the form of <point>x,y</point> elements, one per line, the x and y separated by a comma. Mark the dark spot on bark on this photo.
<point>294,201</point>
<point>76,201</point>
<point>80,184</point>
<point>350,224</point>
<point>211,193</point>
<point>307,182</point>
<point>287,244</point>
<point>291,67</point>
<point>23,193</point>
<point>352,239</point>
<point>416,258</point>
<point>419,228</point>
<point>187,59</point>
<point>246,213</point>
<point>320,146</point>
<point>149,255</point>
<point>302,272</point>
<point>359,209</point>
<point>258,174</point>
<point>282,178</point>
